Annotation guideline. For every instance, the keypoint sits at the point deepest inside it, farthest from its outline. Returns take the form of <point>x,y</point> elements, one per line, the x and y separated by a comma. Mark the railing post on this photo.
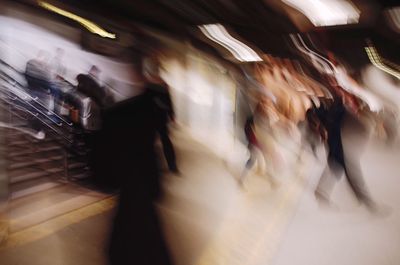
<point>66,173</point>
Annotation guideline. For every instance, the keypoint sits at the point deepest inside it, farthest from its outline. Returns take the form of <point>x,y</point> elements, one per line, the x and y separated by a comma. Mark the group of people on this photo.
<point>302,111</point>
<point>46,80</point>
<point>123,153</point>
<point>43,76</point>
<point>47,77</point>
<point>126,154</point>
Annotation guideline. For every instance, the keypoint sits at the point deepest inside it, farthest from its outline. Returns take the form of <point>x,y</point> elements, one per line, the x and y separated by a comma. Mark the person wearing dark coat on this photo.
<point>332,119</point>
<point>127,156</point>
<point>88,85</point>
<point>163,108</point>
<point>158,90</point>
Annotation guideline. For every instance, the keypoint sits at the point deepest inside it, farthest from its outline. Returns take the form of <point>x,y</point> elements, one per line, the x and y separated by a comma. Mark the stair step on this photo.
<point>16,187</point>
<point>15,141</point>
<point>32,156</point>
<point>35,175</point>
<point>37,151</point>
<point>79,176</point>
<point>77,165</point>
<point>33,162</point>
<point>34,189</point>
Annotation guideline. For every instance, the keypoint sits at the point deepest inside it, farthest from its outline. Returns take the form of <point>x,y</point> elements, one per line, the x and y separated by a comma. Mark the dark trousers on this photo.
<point>137,236</point>
<point>168,148</point>
<point>40,88</point>
<point>352,170</point>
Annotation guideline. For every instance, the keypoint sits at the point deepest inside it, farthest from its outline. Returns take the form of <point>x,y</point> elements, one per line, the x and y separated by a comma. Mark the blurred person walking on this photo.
<point>40,84</point>
<point>332,119</point>
<point>57,65</point>
<point>256,155</point>
<point>89,84</point>
<point>37,74</point>
<point>158,90</point>
<point>267,126</point>
<point>126,159</point>
<point>58,72</point>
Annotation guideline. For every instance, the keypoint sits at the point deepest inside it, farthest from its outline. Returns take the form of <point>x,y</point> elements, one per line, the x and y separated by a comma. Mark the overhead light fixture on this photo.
<point>377,61</point>
<point>218,34</point>
<point>393,15</point>
<point>89,25</point>
<point>327,12</point>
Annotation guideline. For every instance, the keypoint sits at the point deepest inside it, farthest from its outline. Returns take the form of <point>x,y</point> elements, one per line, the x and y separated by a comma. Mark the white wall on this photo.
<point>203,96</point>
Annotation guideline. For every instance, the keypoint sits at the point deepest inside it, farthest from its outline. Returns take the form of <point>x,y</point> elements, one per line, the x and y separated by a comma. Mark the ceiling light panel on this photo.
<point>89,25</point>
<point>218,34</point>
<point>327,12</point>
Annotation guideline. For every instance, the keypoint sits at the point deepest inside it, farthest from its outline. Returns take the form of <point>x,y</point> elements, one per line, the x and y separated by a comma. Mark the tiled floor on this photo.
<point>81,244</point>
<point>207,219</point>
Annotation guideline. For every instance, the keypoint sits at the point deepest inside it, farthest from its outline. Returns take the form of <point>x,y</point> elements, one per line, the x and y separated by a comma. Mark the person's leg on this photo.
<point>249,165</point>
<point>326,182</point>
<point>356,181</point>
<point>270,161</point>
<point>56,96</point>
<point>168,148</point>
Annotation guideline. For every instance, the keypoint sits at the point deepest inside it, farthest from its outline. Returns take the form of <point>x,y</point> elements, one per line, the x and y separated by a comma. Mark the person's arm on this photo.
<point>318,122</point>
<point>79,80</point>
<point>171,112</point>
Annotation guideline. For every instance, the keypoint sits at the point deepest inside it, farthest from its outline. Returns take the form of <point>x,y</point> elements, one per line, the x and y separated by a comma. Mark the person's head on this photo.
<point>94,71</point>
<point>42,56</point>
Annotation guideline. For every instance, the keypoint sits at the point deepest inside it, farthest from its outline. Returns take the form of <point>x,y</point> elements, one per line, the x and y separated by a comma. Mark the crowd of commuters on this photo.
<point>305,113</point>
<point>122,152</point>
<point>293,112</point>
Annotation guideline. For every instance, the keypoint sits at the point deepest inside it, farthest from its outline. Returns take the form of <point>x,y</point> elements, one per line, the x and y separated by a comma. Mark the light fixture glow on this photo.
<point>378,62</point>
<point>239,50</point>
<point>341,76</point>
<point>326,12</point>
<point>394,18</point>
<point>92,27</point>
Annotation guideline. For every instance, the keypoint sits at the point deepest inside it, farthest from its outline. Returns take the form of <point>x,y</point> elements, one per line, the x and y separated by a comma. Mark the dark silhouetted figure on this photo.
<point>158,90</point>
<point>332,119</point>
<point>88,84</point>
<point>164,112</point>
<point>126,155</point>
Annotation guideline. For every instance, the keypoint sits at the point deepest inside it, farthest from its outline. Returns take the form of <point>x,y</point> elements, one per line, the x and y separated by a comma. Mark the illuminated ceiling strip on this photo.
<point>318,61</point>
<point>234,53</point>
<point>218,34</point>
<point>92,27</point>
<point>394,14</point>
<point>326,12</point>
<point>239,50</point>
<point>376,61</point>
<point>391,64</point>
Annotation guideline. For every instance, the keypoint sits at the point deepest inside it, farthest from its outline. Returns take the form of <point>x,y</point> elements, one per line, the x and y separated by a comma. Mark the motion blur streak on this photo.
<point>92,27</point>
<point>340,75</point>
<point>259,132</point>
<point>393,16</point>
<point>327,12</point>
<point>319,62</point>
<point>241,51</point>
<point>377,61</point>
